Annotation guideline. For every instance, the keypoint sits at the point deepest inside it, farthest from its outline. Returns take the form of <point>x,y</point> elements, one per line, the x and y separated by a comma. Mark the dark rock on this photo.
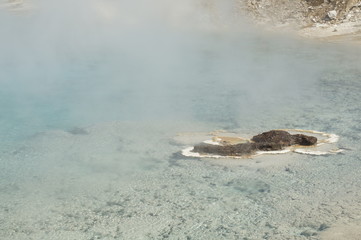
<point>227,150</point>
<point>275,136</point>
<point>284,138</point>
<point>268,141</point>
<point>308,233</point>
<point>323,227</point>
<point>78,131</point>
<point>304,140</point>
<point>237,149</point>
<point>268,146</point>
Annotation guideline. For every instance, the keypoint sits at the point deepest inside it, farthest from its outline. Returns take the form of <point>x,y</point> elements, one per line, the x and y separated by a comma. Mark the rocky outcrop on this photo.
<point>284,138</point>
<point>237,149</point>
<point>304,12</point>
<point>304,140</point>
<point>268,141</point>
<point>331,11</point>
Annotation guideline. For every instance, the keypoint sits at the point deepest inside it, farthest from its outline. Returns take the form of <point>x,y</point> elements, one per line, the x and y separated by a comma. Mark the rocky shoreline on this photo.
<point>330,20</point>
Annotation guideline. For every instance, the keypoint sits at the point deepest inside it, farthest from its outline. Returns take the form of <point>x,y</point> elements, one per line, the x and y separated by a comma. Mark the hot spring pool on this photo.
<point>92,101</point>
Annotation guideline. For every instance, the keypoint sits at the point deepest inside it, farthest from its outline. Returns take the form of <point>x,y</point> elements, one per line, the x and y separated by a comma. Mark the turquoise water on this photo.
<point>228,80</point>
<point>74,68</point>
<point>204,76</point>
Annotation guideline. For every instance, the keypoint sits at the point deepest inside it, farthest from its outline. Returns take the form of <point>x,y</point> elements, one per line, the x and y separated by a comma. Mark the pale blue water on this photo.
<point>207,77</point>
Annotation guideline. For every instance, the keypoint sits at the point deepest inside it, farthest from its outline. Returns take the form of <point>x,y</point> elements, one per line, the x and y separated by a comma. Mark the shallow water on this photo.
<point>89,121</point>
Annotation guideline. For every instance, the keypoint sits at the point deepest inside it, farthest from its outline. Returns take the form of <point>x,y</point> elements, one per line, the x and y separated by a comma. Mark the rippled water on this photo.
<point>90,105</point>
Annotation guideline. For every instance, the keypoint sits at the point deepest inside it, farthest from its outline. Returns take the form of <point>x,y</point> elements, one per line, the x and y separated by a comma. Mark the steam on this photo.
<point>80,62</point>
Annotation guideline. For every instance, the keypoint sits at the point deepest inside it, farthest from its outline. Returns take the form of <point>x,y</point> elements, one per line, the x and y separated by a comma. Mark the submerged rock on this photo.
<point>268,141</point>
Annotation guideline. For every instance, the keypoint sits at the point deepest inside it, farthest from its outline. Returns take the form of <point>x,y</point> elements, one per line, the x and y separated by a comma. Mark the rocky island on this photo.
<point>268,141</point>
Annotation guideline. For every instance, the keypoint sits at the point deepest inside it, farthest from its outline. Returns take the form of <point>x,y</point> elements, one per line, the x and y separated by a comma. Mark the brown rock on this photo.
<point>284,138</point>
<point>227,150</point>
<point>275,136</point>
<point>237,149</point>
<point>304,139</point>
<point>267,141</point>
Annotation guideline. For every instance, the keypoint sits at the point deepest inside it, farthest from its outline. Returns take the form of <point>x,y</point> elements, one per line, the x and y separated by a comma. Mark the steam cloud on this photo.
<point>80,62</point>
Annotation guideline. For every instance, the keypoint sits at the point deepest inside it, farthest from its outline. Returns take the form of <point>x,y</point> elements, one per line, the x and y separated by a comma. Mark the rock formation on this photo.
<point>268,141</point>
<point>303,12</point>
<point>284,138</point>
